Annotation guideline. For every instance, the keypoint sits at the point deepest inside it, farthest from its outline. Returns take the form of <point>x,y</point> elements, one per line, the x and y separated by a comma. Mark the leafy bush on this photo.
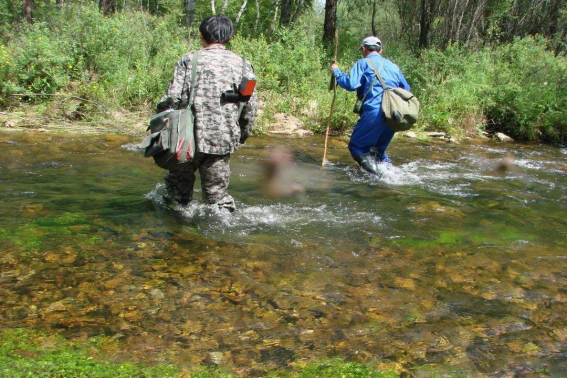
<point>126,62</point>
<point>528,97</point>
<point>293,76</point>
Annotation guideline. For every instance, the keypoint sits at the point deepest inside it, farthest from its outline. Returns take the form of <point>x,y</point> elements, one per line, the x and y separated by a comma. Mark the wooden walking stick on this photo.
<point>332,86</point>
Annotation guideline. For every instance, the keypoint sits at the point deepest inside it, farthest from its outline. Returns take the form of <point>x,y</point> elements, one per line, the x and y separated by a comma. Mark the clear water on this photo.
<point>443,262</point>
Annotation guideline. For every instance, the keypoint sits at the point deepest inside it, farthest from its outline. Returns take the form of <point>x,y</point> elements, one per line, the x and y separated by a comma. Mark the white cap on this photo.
<point>370,41</point>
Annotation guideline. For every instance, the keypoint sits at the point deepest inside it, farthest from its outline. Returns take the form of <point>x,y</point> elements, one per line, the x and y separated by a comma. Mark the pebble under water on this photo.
<point>450,260</point>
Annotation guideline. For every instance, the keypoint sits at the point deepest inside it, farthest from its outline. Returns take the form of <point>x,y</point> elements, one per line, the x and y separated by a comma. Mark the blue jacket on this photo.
<point>362,74</point>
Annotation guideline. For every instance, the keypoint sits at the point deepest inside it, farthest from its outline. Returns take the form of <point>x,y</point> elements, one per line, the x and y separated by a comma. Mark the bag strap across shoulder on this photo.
<point>189,113</point>
<point>193,74</point>
<point>241,104</point>
<point>374,79</point>
<point>384,85</point>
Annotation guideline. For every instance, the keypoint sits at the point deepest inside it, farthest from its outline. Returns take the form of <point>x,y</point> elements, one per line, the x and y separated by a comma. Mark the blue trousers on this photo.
<point>370,132</point>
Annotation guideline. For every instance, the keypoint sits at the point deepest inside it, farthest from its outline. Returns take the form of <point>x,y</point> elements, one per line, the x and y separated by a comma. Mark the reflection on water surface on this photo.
<point>444,261</point>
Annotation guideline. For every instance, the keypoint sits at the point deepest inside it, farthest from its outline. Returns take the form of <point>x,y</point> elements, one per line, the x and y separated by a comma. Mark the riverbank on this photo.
<point>135,124</point>
<point>75,64</point>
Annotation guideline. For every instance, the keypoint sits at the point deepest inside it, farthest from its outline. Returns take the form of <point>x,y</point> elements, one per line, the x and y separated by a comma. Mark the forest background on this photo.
<point>477,67</point>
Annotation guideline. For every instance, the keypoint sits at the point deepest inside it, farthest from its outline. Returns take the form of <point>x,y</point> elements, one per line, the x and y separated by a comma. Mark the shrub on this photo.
<point>528,97</point>
<point>125,61</point>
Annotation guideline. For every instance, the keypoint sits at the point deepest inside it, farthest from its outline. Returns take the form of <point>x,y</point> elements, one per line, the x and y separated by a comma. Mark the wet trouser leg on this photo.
<point>214,171</point>
<point>215,174</point>
<point>370,132</point>
<point>179,183</point>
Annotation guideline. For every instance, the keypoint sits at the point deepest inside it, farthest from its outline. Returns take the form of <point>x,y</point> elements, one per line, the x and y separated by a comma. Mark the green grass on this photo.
<point>27,353</point>
<point>124,63</point>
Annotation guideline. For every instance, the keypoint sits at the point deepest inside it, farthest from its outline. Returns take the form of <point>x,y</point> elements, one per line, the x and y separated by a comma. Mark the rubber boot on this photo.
<point>383,158</point>
<point>367,162</point>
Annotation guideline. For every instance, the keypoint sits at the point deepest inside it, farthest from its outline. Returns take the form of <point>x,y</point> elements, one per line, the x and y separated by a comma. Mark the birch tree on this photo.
<point>224,5</point>
<point>242,9</point>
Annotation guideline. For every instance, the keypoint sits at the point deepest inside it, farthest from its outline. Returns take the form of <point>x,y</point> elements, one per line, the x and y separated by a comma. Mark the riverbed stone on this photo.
<point>503,137</point>
<point>410,134</point>
<point>435,134</point>
<point>11,123</point>
<point>286,124</point>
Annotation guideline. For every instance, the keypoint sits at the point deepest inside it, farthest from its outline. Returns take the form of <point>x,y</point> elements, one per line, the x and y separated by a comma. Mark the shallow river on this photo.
<point>443,262</point>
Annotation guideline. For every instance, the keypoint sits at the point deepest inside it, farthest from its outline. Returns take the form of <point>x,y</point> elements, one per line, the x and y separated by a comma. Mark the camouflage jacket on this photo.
<point>217,129</point>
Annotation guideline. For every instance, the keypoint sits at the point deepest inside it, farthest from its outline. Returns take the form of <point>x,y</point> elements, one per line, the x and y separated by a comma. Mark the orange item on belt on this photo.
<point>247,87</point>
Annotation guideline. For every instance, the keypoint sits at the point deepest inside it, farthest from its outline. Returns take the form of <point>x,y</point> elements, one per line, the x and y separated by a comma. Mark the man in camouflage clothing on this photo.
<point>218,129</point>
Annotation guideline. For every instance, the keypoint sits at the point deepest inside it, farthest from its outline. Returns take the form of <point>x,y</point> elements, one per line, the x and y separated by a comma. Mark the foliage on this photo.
<point>26,353</point>
<point>529,96</point>
<point>125,62</point>
<point>517,88</point>
<point>291,68</point>
<point>338,368</point>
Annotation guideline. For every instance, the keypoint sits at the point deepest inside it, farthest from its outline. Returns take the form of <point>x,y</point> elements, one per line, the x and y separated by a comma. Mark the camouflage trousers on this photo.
<point>214,171</point>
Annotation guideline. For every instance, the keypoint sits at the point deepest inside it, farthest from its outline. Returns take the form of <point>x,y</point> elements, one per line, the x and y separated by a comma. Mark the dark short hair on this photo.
<point>373,48</point>
<point>217,29</point>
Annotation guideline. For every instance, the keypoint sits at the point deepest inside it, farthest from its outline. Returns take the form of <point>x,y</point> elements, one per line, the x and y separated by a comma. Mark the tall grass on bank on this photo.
<point>126,61</point>
<point>121,61</point>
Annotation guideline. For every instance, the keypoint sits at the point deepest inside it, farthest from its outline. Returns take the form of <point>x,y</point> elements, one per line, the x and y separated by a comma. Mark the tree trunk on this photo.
<point>189,6</point>
<point>425,22</point>
<point>213,8</point>
<point>27,10</point>
<point>373,19</point>
<point>330,24</point>
<point>107,7</point>
<point>224,5</point>
<point>242,9</point>
<point>257,16</point>
<point>285,14</point>
<point>298,11</point>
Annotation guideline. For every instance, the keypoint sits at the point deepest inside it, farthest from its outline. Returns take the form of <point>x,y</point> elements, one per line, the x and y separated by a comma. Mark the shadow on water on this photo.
<point>443,261</point>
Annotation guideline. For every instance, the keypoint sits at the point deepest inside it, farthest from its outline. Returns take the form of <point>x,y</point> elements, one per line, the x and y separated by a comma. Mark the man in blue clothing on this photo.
<point>371,136</point>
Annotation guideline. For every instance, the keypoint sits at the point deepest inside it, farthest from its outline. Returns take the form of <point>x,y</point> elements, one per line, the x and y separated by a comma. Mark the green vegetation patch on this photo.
<point>25,353</point>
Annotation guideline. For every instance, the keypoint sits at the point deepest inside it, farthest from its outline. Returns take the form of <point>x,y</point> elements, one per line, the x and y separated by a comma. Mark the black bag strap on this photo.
<point>241,104</point>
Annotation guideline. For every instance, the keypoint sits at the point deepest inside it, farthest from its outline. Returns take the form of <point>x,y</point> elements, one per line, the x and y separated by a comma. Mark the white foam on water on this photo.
<point>132,147</point>
<point>388,175</point>
<point>288,218</point>
<point>530,164</point>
